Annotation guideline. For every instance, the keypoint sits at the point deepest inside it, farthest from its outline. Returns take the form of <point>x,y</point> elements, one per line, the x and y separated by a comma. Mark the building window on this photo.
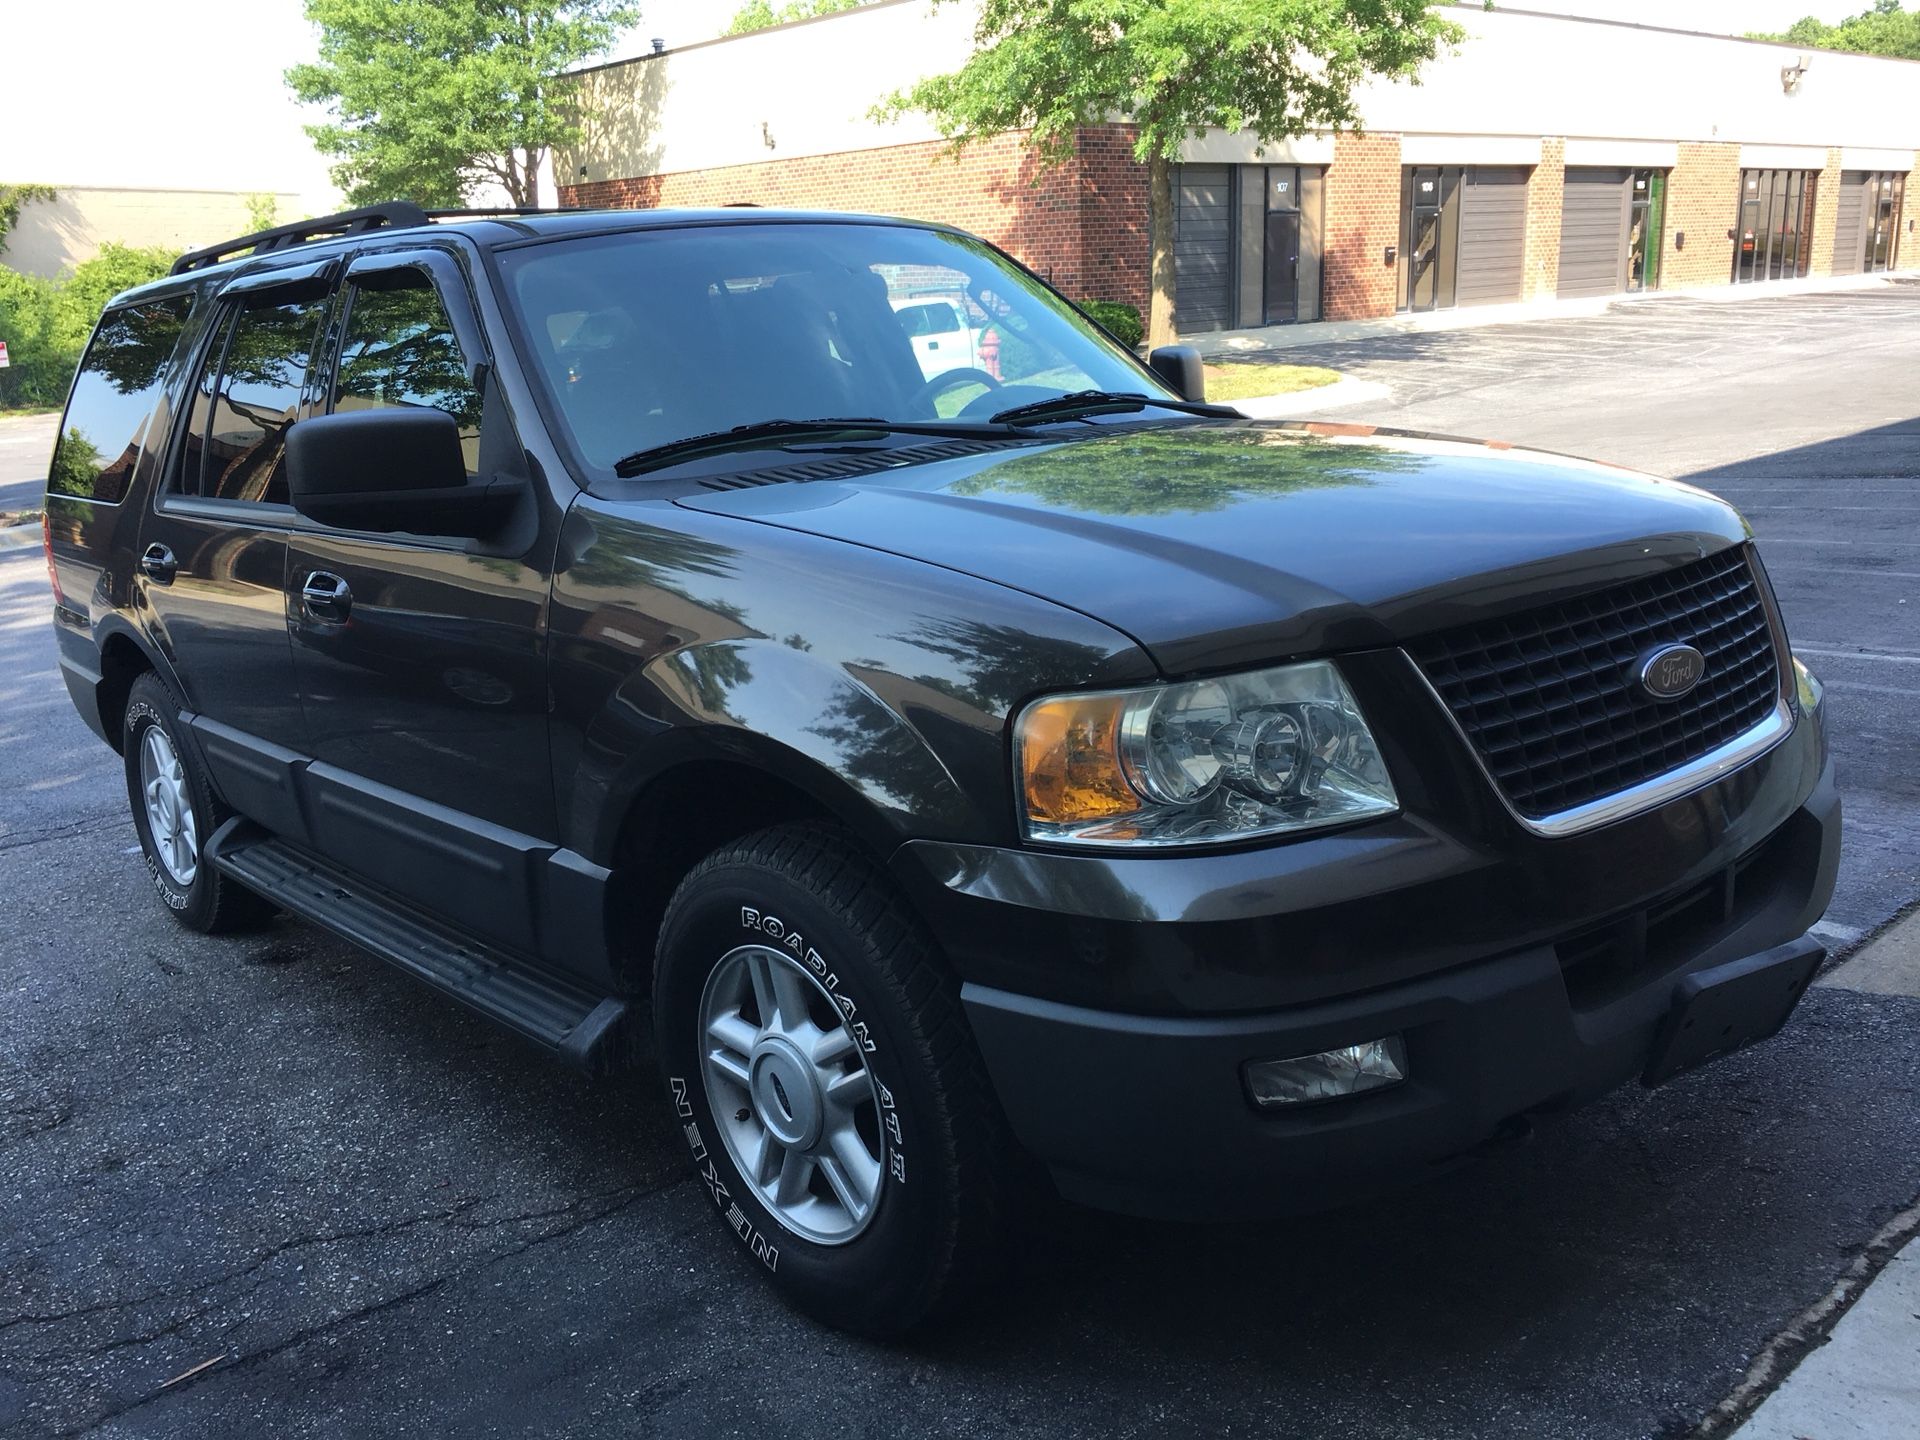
<point>1774,234</point>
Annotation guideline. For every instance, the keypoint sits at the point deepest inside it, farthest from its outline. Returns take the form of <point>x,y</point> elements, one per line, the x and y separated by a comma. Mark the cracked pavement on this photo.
<point>377,1216</point>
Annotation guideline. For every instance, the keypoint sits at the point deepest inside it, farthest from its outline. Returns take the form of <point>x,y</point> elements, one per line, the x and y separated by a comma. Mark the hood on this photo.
<point>1234,543</point>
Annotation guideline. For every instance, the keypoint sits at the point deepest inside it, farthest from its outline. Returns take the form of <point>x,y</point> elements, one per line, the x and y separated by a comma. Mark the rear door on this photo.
<point>211,569</point>
<point>420,659</point>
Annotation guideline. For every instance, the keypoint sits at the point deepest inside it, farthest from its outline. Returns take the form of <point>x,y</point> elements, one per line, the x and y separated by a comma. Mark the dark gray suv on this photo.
<point>963,774</point>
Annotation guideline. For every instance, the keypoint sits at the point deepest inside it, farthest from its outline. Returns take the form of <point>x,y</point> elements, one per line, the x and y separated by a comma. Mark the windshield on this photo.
<point>652,336</point>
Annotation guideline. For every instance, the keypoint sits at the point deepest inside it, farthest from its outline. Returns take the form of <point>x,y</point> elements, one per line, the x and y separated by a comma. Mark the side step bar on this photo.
<point>577,1025</point>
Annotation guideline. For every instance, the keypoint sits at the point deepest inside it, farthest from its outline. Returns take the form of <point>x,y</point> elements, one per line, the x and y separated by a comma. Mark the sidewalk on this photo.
<point>1233,344</point>
<point>1862,1382</point>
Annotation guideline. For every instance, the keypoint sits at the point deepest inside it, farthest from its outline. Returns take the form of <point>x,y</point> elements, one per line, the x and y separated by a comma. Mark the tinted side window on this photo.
<point>399,349</point>
<point>256,399</point>
<point>119,380</point>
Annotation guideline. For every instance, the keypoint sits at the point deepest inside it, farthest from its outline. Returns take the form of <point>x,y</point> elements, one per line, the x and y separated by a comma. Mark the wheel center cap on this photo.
<point>786,1098</point>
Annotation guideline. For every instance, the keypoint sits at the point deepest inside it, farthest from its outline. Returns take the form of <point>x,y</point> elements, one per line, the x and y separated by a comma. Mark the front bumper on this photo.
<point>1117,1001</point>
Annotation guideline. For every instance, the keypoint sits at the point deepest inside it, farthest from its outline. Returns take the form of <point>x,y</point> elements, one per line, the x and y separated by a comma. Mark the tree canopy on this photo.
<point>431,98</point>
<point>759,14</point>
<point>1172,68</point>
<point>1886,29</point>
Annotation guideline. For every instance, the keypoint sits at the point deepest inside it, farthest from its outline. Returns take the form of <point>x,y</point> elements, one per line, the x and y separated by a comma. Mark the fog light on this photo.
<point>1330,1075</point>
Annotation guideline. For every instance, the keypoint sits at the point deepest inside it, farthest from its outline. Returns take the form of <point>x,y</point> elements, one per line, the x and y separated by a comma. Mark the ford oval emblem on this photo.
<point>1671,671</point>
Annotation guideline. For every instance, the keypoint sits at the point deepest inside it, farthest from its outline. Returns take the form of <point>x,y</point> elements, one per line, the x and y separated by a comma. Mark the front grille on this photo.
<point>1550,700</point>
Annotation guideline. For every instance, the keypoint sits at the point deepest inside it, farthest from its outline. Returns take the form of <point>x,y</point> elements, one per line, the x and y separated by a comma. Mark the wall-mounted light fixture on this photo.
<point>766,135</point>
<point>1792,75</point>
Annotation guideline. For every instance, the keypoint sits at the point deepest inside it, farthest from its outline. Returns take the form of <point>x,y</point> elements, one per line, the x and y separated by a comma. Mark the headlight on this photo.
<point>1202,762</point>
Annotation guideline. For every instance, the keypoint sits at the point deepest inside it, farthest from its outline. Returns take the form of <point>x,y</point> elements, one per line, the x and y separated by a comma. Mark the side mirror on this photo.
<point>392,468</point>
<point>1180,367</point>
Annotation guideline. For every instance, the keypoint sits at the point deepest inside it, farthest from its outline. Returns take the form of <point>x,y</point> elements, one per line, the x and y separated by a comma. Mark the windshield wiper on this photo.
<point>1102,402</point>
<point>761,432</point>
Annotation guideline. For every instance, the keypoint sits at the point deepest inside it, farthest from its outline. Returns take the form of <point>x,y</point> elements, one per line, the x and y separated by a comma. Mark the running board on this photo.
<point>575,1024</point>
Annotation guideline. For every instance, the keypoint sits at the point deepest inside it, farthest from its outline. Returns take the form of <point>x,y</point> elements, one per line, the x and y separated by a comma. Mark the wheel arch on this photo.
<point>124,658</point>
<point>687,810</point>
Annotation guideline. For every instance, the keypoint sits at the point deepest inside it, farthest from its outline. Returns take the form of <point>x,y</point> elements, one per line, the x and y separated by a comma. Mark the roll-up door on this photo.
<point>1202,248</point>
<point>1849,222</point>
<point>1493,235</point>
<point>1593,232</point>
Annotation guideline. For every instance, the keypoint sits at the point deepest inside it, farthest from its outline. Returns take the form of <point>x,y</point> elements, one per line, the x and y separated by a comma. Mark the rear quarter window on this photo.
<point>119,379</point>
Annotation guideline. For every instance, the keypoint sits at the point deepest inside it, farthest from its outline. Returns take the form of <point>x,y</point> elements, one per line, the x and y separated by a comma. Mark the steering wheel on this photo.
<point>924,397</point>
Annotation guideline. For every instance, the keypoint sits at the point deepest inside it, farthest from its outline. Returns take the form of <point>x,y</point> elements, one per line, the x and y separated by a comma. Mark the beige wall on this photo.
<point>52,237</point>
<point>807,88</point>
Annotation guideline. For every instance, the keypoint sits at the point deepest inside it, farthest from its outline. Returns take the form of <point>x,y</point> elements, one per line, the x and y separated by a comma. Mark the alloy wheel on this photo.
<point>789,1087</point>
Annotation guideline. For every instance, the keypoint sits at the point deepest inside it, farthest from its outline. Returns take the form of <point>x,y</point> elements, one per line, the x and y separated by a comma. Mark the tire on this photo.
<point>928,1129</point>
<point>204,900</point>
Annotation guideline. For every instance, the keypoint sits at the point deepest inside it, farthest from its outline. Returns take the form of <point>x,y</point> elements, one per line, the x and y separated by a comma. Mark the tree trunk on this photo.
<point>530,174</point>
<point>1160,316</point>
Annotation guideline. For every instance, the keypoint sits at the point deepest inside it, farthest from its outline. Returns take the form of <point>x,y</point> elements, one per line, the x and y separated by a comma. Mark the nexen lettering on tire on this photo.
<point>773,928</point>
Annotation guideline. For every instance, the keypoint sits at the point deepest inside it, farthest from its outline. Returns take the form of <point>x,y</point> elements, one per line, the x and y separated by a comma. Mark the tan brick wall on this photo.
<point>1083,225</point>
<point>1703,202</point>
<point>1546,194</point>
<point>1826,212</point>
<point>1362,219</point>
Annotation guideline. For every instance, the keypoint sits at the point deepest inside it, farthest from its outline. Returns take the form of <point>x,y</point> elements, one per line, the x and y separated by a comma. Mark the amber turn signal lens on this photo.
<point>1070,760</point>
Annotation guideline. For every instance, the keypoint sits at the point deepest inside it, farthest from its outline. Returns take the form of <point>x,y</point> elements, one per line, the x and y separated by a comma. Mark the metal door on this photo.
<point>1202,255</point>
<point>1851,228</point>
<point>1593,240</point>
<point>1491,264</point>
<point>1429,229</point>
<point>1283,267</point>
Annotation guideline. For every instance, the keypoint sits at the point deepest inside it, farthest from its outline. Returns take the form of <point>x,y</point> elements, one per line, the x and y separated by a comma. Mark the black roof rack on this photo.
<point>393,215</point>
<point>396,214</point>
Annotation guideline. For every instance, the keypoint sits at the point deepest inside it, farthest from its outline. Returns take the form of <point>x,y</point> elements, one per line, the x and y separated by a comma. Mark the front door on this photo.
<point>1283,267</point>
<point>1430,226</point>
<point>421,660</point>
<point>1883,220</point>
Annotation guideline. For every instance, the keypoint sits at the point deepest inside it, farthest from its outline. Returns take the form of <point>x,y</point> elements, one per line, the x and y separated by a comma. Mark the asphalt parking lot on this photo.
<point>378,1216</point>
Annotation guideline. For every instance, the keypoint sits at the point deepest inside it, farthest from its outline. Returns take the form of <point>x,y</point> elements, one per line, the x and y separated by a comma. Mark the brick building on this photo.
<point>1549,156</point>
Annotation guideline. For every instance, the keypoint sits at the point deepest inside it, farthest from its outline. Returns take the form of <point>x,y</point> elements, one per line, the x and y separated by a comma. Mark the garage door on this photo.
<point>1493,235</point>
<point>1849,223</point>
<point>1593,233</point>
<point>1202,267</point>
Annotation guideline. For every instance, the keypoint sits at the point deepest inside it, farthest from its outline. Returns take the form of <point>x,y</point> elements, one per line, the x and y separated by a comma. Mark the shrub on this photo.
<point>46,322</point>
<point>1118,320</point>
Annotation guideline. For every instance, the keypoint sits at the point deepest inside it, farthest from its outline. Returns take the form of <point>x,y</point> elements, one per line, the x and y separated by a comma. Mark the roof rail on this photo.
<point>487,210</point>
<point>395,214</point>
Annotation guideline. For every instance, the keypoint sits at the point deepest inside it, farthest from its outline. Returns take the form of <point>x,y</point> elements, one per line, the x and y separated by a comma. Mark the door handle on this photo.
<point>326,595</point>
<point>158,564</point>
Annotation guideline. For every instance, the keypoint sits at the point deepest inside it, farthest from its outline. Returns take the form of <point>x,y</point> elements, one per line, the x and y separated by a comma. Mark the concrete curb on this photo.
<point>1343,392</point>
<point>1227,344</point>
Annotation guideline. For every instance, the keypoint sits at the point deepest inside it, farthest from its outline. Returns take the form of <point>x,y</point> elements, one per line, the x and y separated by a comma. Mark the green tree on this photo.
<point>263,211</point>
<point>46,322</point>
<point>1886,29</point>
<point>1172,68</point>
<point>433,97</point>
<point>759,14</point>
